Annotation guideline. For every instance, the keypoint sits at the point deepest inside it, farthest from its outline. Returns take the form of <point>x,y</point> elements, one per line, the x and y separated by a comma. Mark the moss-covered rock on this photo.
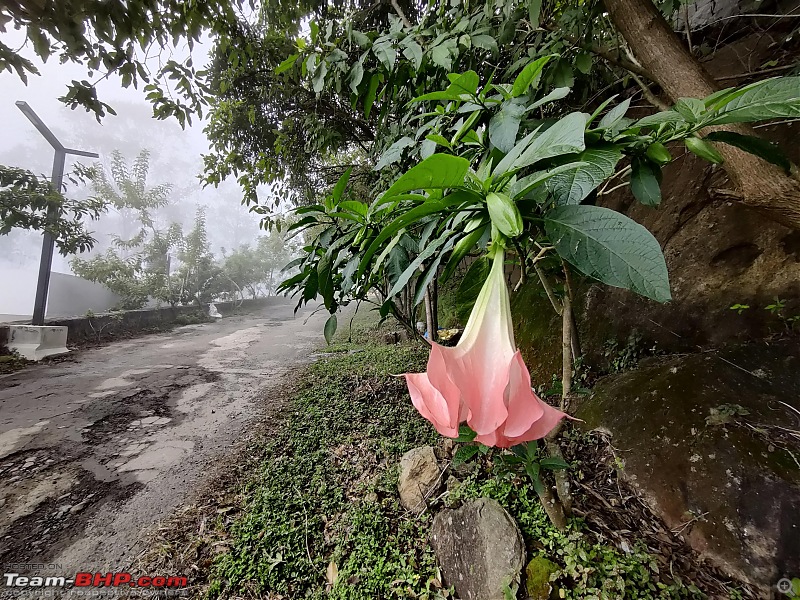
<point>537,577</point>
<point>705,439</point>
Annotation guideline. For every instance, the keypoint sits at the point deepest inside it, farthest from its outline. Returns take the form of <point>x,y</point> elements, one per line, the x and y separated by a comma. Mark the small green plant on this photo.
<point>526,458</point>
<point>776,308</point>
<point>726,413</point>
<point>624,358</point>
<point>469,448</point>
<point>739,308</point>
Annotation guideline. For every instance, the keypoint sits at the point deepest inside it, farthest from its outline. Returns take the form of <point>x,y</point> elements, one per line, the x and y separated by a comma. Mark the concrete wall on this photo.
<point>124,323</point>
<point>68,295</point>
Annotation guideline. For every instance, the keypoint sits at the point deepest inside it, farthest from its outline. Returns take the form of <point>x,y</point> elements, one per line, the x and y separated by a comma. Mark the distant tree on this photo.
<point>199,275</point>
<point>138,266</point>
<point>30,203</point>
<point>258,269</point>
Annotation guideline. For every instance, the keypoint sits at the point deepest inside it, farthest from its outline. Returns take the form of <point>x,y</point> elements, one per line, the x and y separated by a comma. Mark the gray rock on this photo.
<point>479,548</point>
<point>419,478</point>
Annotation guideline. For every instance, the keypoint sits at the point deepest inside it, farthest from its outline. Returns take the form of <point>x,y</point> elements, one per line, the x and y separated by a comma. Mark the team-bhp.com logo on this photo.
<point>17,580</point>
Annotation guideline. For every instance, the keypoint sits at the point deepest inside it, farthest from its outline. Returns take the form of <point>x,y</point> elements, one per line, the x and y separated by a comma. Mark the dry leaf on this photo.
<point>332,573</point>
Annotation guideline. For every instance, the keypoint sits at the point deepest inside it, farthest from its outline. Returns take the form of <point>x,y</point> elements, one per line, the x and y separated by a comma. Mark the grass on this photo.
<point>320,516</point>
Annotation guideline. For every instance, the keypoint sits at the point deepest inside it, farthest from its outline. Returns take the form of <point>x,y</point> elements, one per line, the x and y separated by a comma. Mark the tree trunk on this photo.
<point>758,184</point>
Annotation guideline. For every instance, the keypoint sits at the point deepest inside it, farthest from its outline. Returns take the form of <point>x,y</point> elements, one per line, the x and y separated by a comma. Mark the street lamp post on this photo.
<point>56,180</point>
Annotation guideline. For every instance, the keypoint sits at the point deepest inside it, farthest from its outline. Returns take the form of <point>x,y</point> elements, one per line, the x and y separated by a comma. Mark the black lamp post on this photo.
<point>56,180</point>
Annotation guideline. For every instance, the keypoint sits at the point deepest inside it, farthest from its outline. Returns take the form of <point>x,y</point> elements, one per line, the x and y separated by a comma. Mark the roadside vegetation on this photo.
<point>314,512</point>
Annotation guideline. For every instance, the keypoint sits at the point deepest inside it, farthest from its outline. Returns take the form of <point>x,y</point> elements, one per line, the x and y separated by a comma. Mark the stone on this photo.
<point>419,478</point>
<point>480,550</point>
<point>691,426</point>
<point>537,578</point>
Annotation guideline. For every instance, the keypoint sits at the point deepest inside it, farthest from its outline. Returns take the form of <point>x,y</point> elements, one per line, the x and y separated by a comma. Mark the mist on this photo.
<point>175,159</point>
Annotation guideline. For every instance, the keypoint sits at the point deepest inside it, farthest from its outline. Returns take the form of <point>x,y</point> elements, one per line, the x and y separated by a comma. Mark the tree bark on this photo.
<point>429,315</point>
<point>758,184</point>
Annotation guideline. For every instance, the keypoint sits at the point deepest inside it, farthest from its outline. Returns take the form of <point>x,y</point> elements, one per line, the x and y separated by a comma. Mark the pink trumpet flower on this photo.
<point>483,380</point>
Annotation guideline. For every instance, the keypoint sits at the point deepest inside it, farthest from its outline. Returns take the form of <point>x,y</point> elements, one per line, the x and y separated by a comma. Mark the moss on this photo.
<point>537,328</point>
<point>537,577</point>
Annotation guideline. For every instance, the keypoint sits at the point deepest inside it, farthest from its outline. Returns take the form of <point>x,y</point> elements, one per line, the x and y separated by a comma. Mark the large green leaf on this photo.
<point>772,99</point>
<point>574,185</point>
<point>565,136</point>
<point>412,51</point>
<point>611,247</point>
<point>754,145</point>
<point>504,125</point>
<point>340,186</point>
<point>435,172</point>
<point>529,76</point>
<point>394,152</point>
<point>646,182</point>
<point>286,64</point>
<point>413,267</point>
<point>667,116</point>
<point>330,328</point>
<point>372,92</point>
<point>385,52</point>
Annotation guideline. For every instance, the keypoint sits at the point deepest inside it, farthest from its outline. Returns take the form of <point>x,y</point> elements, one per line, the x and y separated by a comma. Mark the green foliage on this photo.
<point>30,203</point>
<point>113,38</point>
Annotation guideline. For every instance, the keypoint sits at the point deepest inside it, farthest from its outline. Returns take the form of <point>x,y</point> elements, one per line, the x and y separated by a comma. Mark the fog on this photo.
<point>176,159</point>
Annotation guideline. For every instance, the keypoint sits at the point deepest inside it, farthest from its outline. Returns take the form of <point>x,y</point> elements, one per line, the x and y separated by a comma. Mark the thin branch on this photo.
<point>401,14</point>
<point>548,289</point>
<point>648,95</point>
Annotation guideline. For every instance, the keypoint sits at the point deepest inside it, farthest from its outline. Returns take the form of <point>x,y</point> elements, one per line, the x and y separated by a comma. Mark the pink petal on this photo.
<point>430,403</point>
<point>541,427</point>
<point>524,407</point>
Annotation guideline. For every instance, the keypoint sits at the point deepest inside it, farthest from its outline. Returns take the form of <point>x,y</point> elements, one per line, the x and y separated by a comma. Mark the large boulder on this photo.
<point>479,548</point>
<point>711,441</point>
<point>419,478</point>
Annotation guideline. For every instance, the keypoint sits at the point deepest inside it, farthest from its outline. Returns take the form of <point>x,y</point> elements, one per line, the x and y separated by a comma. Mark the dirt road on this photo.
<point>96,449</point>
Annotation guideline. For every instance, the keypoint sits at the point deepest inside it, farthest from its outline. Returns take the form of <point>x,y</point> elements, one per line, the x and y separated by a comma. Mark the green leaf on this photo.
<point>610,247</point>
<point>318,80</point>
<point>583,62</point>
<point>369,99</point>
<point>461,249</point>
<point>562,74</point>
<point>463,454</point>
<point>534,9</point>
<point>653,121</point>
<point>385,52</point>
<point>529,76</point>
<point>286,64</point>
<point>465,83</point>
<point>556,94</point>
<point>404,220</point>
<point>690,109</point>
<point>574,185</point>
<point>394,152</point>
<point>524,186</point>
<point>615,115</point>
<point>754,145</point>
<point>504,214</point>
<point>435,172</point>
<point>565,136</point>
<point>356,75</point>
<point>703,150</point>
<point>772,99</point>
<point>465,434</point>
<point>360,38</point>
<point>413,267</point>
<point>330,328</point>
<point>340,186</point>
<point>438,139</point>
<point>504,125</point>
<point>466,126</point>
<point>485,42</point>
<point>441,55</point>
<point>646,182</point>
<point>554,463</point>
<point>413,52</point>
